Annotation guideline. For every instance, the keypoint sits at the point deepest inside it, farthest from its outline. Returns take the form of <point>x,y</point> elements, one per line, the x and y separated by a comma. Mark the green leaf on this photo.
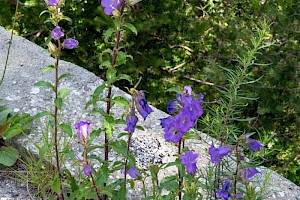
<point>119,146</point>
<point>4,114</point>
<point>121,59</point>
<point>108,33</point>
<point>191,135</point>
<point>106,64</point>
<point>48,68</point>
<point>12,132</point>
<point>45,84</point>
<point>121,101</point>
<point>140,128</point>
<point>109,124</point>
<point>56,185</point>
<point>124,77</point>
<point>176,89</point>
<point>111,75</point>
<point>58,103</point>
<point>130,27</point>
<point>66,18</point>
<point>63,93</point>
<point>8,156</point>
<point>66,128</point>
<point>95,96</point>
<point>66,75</point>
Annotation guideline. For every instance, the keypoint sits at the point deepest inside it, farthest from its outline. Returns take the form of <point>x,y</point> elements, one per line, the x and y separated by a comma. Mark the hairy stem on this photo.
<point>92,176</point>
<point>56,117</point>
<point>108,97</point>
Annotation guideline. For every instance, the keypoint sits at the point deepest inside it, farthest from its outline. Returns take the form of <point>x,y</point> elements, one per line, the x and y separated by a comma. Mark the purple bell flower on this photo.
<point>83,129</point>
<point>224,192</point>
<point>183,122</point>
<point>79,157</point>
<point>110,5</point>
<point>164,122</point>
<point>172,134</point>
<point>189,160</point>
<point>70,43</point>
<point>131,121</point>
<point>142,106</point>
<point>239,196</point>
<point>56,33</point>
<point>87,170</point>
<point>133,172</point>
<point>53,2</point>
<point>249,172</point>
<point>172,107</point>
<point>217,153</point>
<point>254,145</point>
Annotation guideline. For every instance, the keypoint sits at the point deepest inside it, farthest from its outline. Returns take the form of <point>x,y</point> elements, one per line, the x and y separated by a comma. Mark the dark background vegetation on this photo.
<point>185,42</point>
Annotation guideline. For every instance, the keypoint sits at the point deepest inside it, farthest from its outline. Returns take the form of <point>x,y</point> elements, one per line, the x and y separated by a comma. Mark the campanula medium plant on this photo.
<point>94,182</point>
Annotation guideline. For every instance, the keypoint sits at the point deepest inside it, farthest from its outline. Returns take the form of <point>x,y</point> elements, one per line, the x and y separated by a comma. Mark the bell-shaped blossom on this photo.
<point>172,107</point>
<point>172,134</point>
<point>133,172</point>
<point>142,106</point>
<point>217,153</point>
<point>83,129</point>
<point>87,170</point>
<point>239,196</point>
<point>53,2</point>
<point>254,145</point>
<point>131,121</point>
<point>192,107</point>
<point>224,192</point>
<point>56,33</point>
<point>248,172</point>
<point>70,43</point>
<point>183,122</point>
<point>110,5</point>
<point>189,160</point>
<point>164,122</point>
<point>79,157</point>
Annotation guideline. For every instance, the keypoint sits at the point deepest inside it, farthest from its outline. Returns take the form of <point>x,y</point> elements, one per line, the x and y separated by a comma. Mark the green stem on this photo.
<point>109,92</point>
<point>56,118</point>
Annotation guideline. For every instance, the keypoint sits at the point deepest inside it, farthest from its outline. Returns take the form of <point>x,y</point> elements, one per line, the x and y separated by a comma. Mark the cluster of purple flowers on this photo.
<point>188,109</point>
<point>245,173</point>
<point>142,107</point>
<point>69,43</point>
<point>83,128</point>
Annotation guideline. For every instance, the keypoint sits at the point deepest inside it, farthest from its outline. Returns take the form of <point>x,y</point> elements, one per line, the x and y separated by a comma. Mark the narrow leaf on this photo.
<point>130,27</point>
<point>48,68</point>
<point>63,93</point>
<point>45,84</point>
<point>66,75</point>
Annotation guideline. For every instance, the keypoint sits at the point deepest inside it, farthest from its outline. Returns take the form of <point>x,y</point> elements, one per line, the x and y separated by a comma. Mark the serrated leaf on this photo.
<point>106,63</point>
<point>109,125</point>
<point>124,77</point>
<point>58,103</point>
<point>111,75</point>
<point>12,132</point>
<point>108,33</point>
<point>4,114</point>
<point>121,101</point>
<point>55,186</point>
<point>66,75</point>
<point>63,93</point>
<point>48,68</point>
<point>130,27</point>
<point>121,59</point>
<point>66,128</point>
<point>44,84</point>
<point>8,156</point>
